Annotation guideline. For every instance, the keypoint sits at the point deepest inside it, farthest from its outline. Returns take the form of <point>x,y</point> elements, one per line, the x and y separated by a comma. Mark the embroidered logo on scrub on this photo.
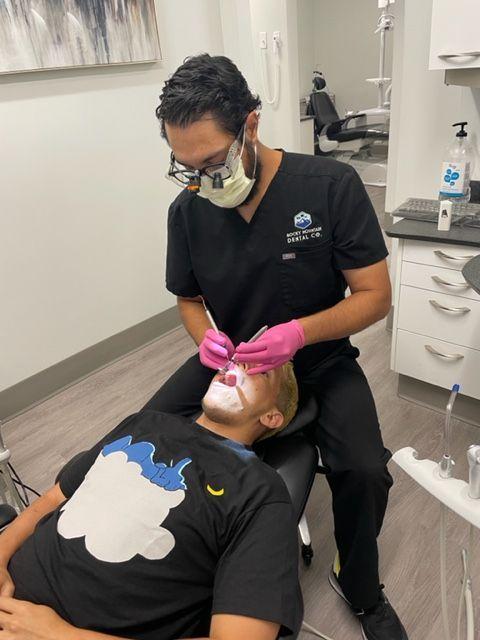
<point>302,220</point>
<point>121,504</point>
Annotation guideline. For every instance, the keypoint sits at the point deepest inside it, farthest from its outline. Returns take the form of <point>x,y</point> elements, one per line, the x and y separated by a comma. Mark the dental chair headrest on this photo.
<point>306,413</point>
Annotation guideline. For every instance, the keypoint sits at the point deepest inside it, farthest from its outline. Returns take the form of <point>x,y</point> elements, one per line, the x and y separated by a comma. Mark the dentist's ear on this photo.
<point>251,125</point>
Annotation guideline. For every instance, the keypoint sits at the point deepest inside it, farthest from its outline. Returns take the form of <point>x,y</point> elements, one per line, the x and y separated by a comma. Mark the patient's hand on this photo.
<point>7,588</point>
<point>26,621</point>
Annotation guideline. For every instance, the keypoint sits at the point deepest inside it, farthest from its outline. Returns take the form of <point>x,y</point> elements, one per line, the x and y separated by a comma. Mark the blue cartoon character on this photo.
<point>123,501</point>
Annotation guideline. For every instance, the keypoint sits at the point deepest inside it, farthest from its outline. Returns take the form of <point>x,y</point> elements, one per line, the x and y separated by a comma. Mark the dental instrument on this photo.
<point>454,494</point>
<point>230,377</point>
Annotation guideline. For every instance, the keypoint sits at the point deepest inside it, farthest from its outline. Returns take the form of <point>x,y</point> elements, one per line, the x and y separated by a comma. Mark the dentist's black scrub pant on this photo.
<point>349,438</point>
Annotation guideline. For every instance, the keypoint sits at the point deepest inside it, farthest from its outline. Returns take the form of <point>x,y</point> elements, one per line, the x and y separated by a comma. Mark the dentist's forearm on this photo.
<point>355,313</point>
<point>193,317</point>
<point>24,524</point>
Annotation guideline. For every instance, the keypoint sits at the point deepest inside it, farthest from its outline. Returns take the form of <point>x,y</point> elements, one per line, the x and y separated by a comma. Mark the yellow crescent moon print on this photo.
<point>211,490</point>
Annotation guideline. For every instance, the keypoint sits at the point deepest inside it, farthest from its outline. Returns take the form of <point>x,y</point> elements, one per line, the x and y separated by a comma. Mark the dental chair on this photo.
<point>295,456</point>
<point>335,135</point>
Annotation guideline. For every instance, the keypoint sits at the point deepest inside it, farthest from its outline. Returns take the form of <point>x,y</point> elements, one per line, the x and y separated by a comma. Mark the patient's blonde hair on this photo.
<point>287,399</point>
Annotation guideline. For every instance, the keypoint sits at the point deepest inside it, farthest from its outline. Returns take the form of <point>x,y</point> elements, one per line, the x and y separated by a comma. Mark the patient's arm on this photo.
<point>230,627</point>
<point>23,526</point>
<point>26,621</point>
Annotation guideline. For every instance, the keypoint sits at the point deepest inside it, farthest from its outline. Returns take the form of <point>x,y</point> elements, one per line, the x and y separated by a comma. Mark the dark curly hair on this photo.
<point>206,84</point>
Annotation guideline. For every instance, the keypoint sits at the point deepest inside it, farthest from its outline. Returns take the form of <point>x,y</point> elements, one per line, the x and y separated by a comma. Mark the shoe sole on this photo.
<point>332,579</point>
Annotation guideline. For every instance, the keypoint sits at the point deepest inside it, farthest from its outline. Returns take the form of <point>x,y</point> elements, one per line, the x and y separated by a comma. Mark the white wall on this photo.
<point>306,45</point>
<point>347,51</point>
<point>423,110</point>
<point>84,200</point>
<point>242,21</point>
<point>83,196</point>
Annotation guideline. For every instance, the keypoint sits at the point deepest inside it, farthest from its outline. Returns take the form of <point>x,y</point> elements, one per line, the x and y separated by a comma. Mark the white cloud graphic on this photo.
<point>119,511</point>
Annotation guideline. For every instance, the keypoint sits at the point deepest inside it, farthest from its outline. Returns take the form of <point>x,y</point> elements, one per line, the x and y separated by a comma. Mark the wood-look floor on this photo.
<point>45,437</point>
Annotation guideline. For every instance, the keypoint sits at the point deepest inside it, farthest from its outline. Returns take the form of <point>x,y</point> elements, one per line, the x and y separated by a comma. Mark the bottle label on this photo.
<point>455,178</point>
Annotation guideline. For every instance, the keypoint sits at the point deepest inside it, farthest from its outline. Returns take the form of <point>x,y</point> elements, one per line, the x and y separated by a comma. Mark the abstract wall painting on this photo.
<point>51,34</point>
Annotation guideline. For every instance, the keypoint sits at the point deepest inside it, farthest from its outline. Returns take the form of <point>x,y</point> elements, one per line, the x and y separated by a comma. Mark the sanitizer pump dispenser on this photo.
<point>457,168</point>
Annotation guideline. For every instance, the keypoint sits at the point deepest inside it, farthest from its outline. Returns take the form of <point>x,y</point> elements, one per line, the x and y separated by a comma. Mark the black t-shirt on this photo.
<point>165,524</point>
<point>314,221</point>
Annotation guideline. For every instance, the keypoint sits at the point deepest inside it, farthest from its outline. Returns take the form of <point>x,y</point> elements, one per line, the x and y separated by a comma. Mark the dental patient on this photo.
<point>167,528</point>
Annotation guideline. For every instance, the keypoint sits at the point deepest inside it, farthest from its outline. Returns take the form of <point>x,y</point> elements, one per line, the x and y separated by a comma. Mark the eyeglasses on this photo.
<point>190,178</point>
<point>184,177</point>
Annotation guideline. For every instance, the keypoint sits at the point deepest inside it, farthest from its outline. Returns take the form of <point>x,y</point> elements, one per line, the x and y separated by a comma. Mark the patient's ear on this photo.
<point>272,419</point>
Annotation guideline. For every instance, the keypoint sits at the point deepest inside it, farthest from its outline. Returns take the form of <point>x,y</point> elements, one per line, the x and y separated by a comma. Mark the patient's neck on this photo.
<point>245,433</point>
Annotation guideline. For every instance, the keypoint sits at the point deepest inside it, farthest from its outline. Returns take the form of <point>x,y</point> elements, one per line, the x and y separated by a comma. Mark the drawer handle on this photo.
<point>437,305</point>
<point>460,54</point>
<point>459,285</point>
<point>447,356</point>
<point>446,256</point>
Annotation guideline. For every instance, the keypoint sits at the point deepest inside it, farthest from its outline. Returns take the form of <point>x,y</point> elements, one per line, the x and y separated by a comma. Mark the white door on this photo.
<point>455,35</point>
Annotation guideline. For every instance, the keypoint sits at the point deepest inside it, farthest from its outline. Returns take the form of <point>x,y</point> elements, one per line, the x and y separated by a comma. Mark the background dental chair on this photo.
<point>334,134</point>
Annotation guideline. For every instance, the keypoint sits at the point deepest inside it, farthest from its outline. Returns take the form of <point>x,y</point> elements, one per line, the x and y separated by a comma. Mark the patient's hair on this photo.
<point>287,399</point>
<point>206,84</point>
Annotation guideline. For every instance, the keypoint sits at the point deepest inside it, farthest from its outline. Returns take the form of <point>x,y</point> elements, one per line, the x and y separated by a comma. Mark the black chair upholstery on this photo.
<point>292,453</point>
<point>296,460</point>
<point>335,128</point>
<point>7,515</point>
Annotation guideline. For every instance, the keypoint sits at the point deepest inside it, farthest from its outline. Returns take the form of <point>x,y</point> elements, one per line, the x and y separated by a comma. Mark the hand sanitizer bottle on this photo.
<point>457,168</point>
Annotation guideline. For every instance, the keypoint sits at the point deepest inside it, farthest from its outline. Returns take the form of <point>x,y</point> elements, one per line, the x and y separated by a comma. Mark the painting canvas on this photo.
<point>46,34</point>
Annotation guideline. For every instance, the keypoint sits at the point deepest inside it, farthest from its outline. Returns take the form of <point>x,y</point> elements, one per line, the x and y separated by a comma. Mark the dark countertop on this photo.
<point>305,117</point>
<point>427,231</point>
<point>471,273</point>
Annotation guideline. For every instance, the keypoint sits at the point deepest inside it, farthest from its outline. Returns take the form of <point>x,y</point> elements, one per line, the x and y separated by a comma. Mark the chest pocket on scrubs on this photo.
<point>308,280</point>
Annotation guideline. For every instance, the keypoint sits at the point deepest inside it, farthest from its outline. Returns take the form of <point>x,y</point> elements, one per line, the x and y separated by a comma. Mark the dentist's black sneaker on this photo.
<point>380,622</point>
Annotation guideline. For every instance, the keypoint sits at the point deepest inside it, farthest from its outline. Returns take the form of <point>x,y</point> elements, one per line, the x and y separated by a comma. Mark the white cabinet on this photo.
<point>436,327</point>
<point>455,35</point>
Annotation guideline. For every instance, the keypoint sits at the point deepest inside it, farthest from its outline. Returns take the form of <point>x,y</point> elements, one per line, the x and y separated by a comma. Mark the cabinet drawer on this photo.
<point>438,279</point>
<point>450,256</point>
<point>455,37</point>
<point>457,364</point>
<point>445,317</point>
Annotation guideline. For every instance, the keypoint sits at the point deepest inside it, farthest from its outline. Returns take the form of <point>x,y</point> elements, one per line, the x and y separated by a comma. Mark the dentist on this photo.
<point>269,237</point>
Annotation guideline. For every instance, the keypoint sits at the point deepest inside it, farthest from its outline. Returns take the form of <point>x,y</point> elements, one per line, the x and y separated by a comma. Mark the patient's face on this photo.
<point>250,398</point>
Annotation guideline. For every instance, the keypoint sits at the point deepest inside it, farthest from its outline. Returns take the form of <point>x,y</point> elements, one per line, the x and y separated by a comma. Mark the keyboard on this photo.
<point>427,210</point>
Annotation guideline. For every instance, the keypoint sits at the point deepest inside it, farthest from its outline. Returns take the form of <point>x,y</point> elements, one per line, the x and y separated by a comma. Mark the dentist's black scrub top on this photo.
<point>314,220</point>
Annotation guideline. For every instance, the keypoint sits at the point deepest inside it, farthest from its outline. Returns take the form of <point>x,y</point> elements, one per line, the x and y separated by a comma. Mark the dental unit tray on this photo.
<point>451,492</point>
<point>427,210</point>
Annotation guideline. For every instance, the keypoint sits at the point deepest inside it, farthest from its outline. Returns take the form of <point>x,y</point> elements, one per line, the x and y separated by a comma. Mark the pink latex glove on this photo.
<point>275,347</point>
<point>215,349</point>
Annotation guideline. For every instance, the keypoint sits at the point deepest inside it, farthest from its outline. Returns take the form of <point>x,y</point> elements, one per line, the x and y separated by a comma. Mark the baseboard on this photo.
<point>429,395</point>
<point>46,383</point>
<point>389,320</point>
